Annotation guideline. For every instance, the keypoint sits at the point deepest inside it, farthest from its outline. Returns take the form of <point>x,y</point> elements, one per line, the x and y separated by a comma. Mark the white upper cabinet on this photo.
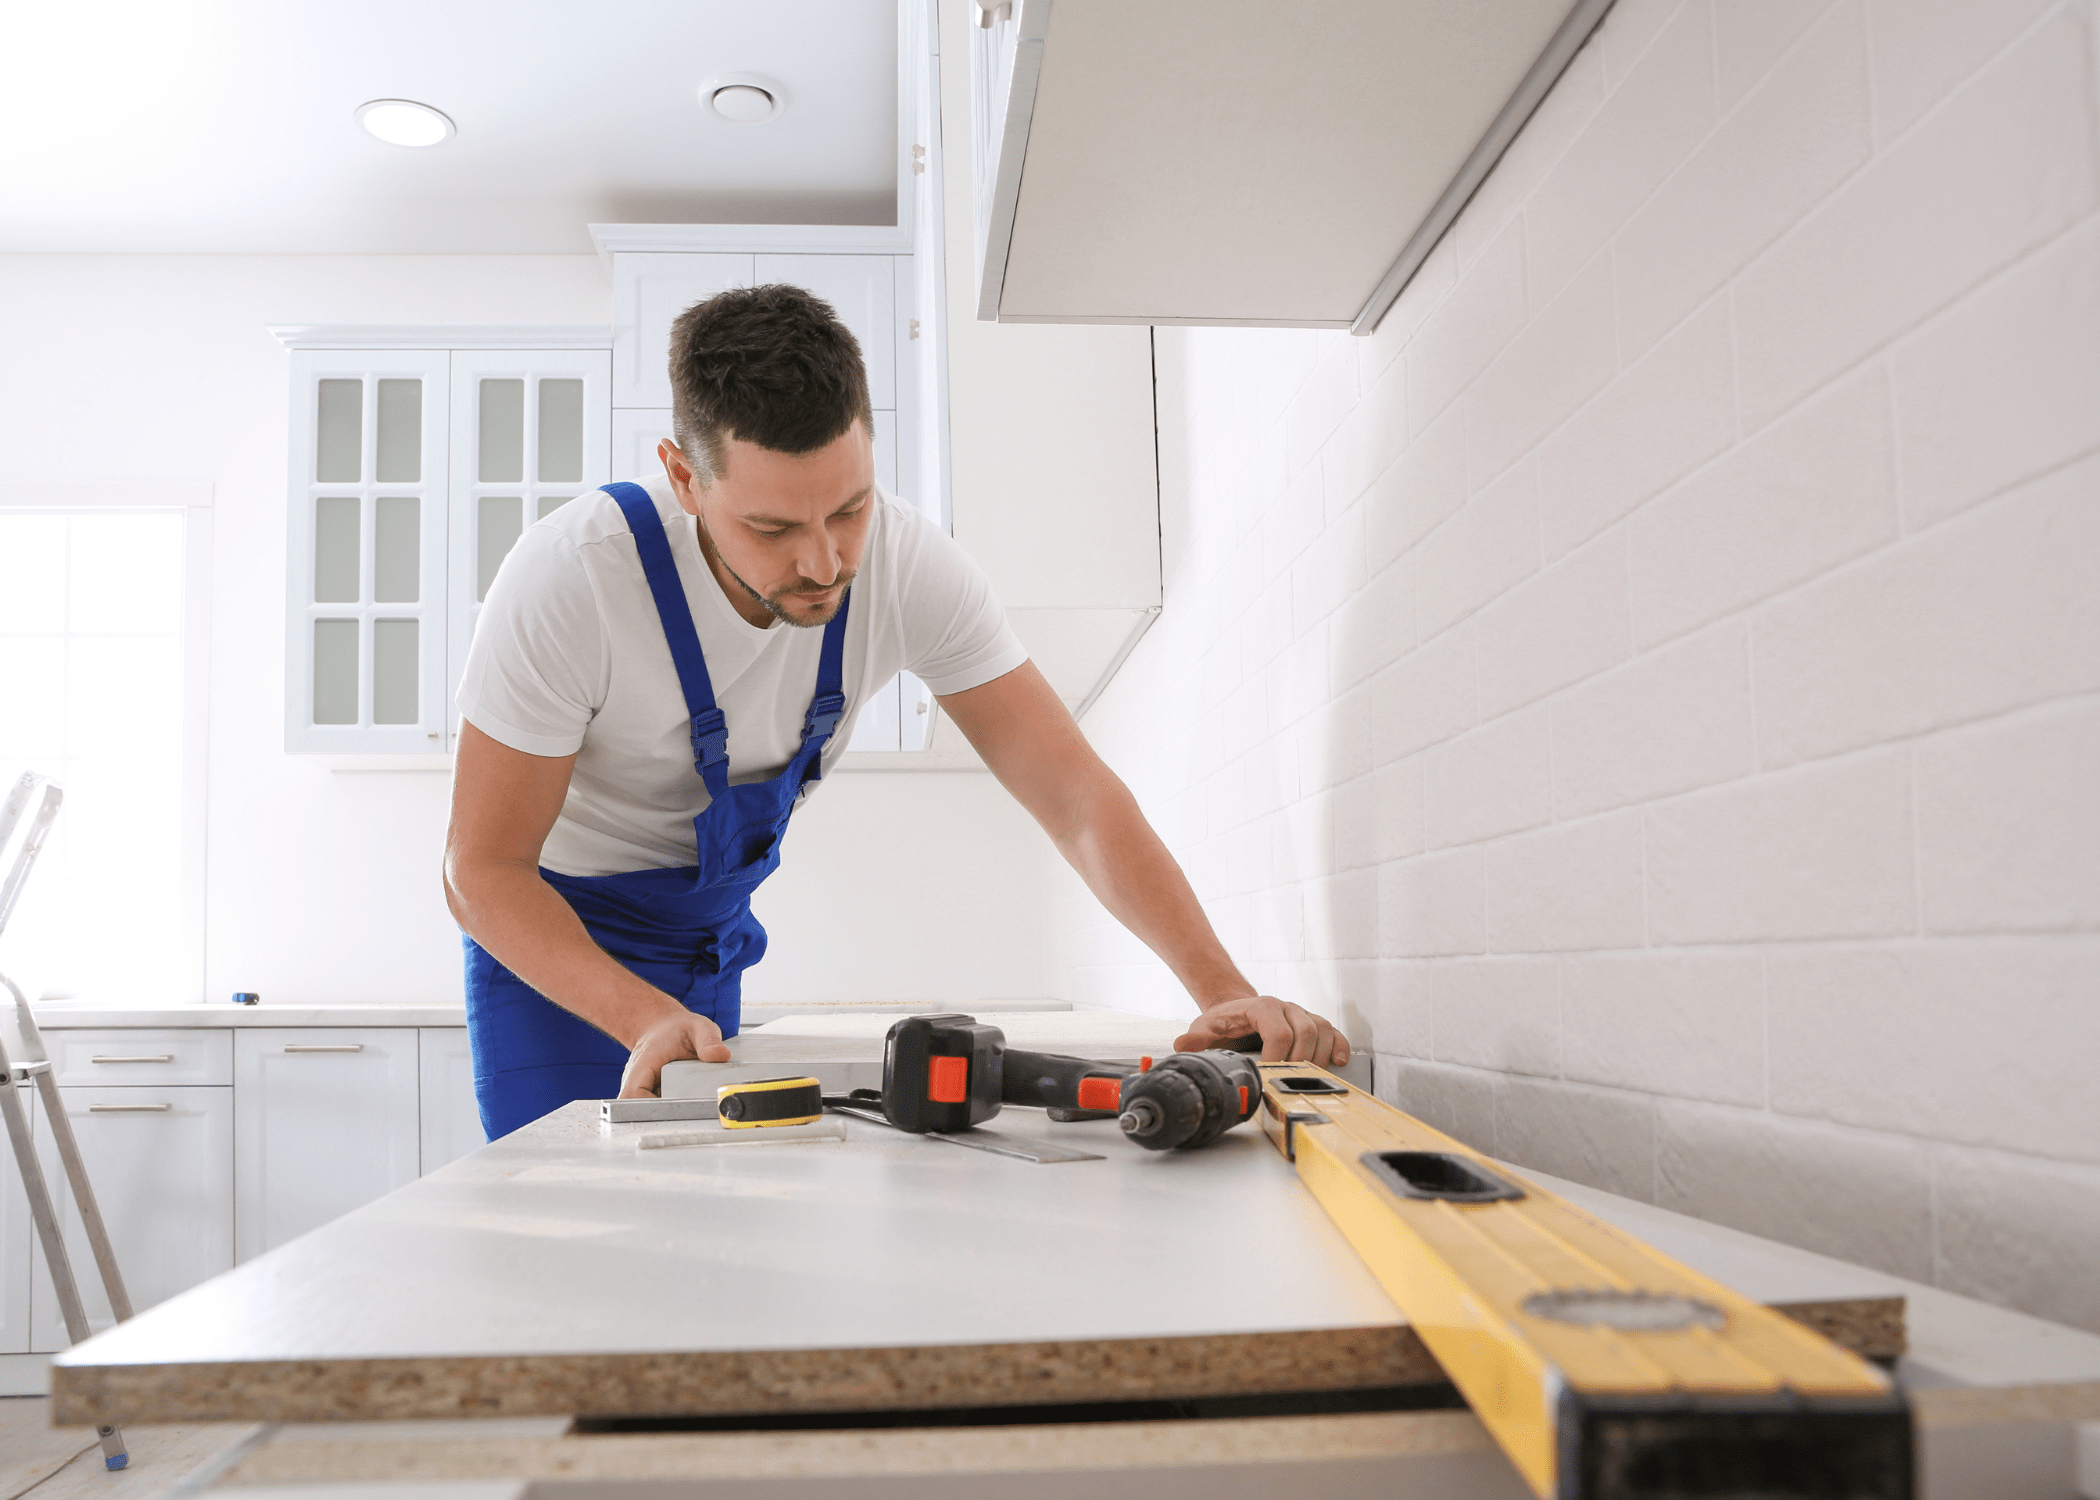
<point>1240,161</point>
<point>862,289</point>
<point>531,430</point>
<point>649,292</point>
<point>413,471</point>
<point>366,582</point>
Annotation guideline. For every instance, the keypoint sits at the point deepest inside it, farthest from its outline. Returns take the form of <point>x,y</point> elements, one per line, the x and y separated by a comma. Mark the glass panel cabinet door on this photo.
<point>365,627</point>
<point>531,430</point>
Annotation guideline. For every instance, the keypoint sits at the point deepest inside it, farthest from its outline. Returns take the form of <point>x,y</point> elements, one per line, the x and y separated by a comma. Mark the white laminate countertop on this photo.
<point>62,1015</point>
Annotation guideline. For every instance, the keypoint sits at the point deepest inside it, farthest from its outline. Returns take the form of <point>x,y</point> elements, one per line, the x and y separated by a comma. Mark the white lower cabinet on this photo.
<point>451,1116</point>
<point>16,1232</point>
<point>326,1120</point>
<point>193,1176</point>
<point>161,1164</point>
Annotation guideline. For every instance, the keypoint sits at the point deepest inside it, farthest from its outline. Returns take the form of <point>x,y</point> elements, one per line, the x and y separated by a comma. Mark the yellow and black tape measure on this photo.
<point>769,1101</point>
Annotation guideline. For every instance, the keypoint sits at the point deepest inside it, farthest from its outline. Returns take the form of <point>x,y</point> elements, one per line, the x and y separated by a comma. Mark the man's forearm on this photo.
<point>531,931</point>
<point>1129,869</point>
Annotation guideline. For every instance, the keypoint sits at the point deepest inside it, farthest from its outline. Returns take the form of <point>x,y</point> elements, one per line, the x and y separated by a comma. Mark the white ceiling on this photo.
<point>226,125</point>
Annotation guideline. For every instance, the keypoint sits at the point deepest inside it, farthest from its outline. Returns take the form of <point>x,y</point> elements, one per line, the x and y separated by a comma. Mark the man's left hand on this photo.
<point>1289,1033</point>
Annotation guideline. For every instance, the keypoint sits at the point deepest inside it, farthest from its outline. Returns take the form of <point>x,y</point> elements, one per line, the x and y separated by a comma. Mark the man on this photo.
<point>661,673</point>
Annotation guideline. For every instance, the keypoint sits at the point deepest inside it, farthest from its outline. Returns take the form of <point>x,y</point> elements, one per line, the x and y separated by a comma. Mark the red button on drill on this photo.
<point>1100,1093</point>
<point>947,1079</point>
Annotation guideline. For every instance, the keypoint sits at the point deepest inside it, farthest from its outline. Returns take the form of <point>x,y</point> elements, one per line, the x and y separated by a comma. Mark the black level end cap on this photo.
<point>1706,1448</point>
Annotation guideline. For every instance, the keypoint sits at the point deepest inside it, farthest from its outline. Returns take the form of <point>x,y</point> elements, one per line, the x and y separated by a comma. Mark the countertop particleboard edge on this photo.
<point>730,1384</point>
<point>714,1383</point>
<point>814,1454</point>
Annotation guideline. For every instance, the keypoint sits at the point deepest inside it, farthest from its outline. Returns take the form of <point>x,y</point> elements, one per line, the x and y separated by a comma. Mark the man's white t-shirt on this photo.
<point>569,657</point>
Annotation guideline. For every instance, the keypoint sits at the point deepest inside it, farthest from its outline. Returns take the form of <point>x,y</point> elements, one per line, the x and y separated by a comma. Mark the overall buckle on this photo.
<point>710,740</point>
<point>825,711</point>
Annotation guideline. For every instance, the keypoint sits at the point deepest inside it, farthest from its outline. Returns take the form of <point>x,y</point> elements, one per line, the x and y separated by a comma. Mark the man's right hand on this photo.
<point>679,1036</point>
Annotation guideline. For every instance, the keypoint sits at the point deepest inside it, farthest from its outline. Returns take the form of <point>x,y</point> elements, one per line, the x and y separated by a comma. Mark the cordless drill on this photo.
<point>950,1072</point>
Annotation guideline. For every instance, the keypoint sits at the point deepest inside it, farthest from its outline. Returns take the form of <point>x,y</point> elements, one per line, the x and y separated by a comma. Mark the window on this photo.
<point>101,689</point>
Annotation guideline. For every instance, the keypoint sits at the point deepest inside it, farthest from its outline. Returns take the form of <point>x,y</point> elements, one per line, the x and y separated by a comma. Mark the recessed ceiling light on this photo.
<point>403,122</point>
<point>743,98</point>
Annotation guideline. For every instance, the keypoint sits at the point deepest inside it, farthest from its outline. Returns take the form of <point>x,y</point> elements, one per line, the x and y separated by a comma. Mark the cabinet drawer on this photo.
<point>130,1058</point>
<point>161,1164</point>
<point>325,1121</point>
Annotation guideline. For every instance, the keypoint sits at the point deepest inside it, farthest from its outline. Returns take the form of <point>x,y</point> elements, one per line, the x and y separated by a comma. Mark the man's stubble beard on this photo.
<point>770,603</point>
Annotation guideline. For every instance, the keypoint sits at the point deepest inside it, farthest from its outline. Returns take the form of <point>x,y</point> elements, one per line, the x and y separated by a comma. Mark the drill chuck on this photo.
<point>1189,1100</point>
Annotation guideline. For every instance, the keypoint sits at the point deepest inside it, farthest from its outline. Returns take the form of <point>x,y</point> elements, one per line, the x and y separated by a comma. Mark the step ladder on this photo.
<point>32,806</point>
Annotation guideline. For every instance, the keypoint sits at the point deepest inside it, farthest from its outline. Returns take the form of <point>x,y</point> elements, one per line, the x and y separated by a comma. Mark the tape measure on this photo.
<point>769,1101</point>
<point>1602,1367</point>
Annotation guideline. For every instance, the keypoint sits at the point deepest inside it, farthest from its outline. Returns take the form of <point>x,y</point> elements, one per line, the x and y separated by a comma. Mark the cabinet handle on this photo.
<point>129,1109</point>
<point>158,1057</point>
<point>352,1047</point>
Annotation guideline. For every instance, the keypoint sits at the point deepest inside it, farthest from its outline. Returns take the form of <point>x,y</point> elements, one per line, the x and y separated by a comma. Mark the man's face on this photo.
<point>787,529</point>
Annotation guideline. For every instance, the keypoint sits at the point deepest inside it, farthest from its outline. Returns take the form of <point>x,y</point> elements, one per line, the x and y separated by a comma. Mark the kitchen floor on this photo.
<point>66,1463</point>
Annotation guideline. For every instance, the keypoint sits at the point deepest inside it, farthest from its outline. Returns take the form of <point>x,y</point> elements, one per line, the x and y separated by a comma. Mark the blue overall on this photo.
<point>689,932</point>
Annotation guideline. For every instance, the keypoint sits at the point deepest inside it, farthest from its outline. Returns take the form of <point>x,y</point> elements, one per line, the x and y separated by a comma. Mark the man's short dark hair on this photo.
<point>771,365</point>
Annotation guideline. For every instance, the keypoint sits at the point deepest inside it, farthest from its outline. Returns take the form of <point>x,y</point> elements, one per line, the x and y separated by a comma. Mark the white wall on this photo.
<point>1651,689</point>
<point>323,886</point>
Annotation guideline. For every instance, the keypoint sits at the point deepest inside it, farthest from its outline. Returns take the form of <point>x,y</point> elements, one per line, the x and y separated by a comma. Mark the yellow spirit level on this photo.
<point>769,1101</point>
<point>1602,1367</point>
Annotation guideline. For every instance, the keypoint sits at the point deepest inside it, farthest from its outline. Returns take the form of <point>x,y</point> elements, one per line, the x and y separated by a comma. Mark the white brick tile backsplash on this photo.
<point>1801,132</point>
<point>1491,544</point>
<point>1538,148</point>
<point>1748,39</point>
<point>1365,444</point>
<point>1433,906</point>
<point>1458,1101</point>
<point>1287,529</point>
<point>1568,623</point>
<point>1667,739</point>
<point>1343,919</point>
<point>1374,626</point>
<point>1428,695</point>
<point>1629,30</point>
<point>1647,126</point>
<point>1923,52</point>
<point>2008,826</point>
<point>1398,809</point>
<point>1565,357</point>
<point>1320,404</point>
<point>2003,166</point>
<point>1860,1197</point>
<point>1378,354</point>
<point>1484,312</point>
<point>2006,385</point>
<point>1989,1043</point>
<point>1594,1136</point>
<point>1339,747</point>
<point>1791,503</point>
<point>1496,779</point>
<point>1328,572</point>
<point>1666,415</point>
<point>1674,720</point>
<point>1688,1024</point>
<point>1568,888</point>
<point>1500,1013</point>
<point>1991,611</point>
<point>2011,1227</point>
<point>1426,483</point>
<point>1824,851</point>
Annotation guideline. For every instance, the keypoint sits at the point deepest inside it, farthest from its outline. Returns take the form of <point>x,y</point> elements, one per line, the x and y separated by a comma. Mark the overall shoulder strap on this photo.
<point>710,729</point>
<point>828,705</point>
